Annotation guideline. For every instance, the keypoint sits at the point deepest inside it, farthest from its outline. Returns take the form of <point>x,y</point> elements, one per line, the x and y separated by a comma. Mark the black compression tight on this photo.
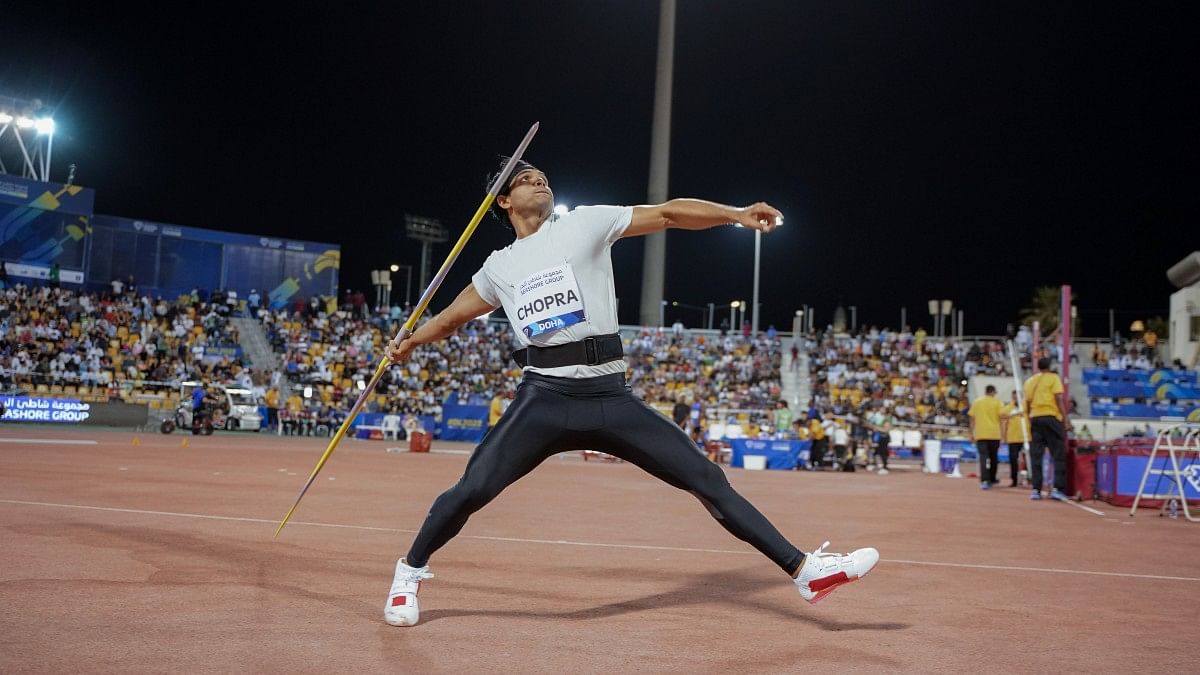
<point>552,415</point>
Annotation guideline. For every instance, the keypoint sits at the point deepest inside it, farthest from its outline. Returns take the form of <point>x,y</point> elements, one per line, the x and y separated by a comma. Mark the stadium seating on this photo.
<point>95,347</point>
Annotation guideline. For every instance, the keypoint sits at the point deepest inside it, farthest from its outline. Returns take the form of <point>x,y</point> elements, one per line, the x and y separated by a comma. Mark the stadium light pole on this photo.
<point>655,245</point>
<point>407,281</point>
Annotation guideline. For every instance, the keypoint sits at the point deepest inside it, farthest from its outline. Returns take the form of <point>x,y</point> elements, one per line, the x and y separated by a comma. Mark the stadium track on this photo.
<point>156,557</point>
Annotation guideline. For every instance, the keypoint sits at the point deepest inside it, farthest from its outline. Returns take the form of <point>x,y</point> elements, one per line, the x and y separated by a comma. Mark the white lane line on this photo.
<point>563,542</point>
<point>46,441</point>
<point>1089,509</point>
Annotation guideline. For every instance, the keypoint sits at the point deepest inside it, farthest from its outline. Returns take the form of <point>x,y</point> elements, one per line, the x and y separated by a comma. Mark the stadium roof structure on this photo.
<point>26,138</point>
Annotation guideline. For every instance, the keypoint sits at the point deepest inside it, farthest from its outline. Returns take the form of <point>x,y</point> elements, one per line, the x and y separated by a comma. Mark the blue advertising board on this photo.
<point>784,455</point>
<point>463,423</point>
<point>31,409</point>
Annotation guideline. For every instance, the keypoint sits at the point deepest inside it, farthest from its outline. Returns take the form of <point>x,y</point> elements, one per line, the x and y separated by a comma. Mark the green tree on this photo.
<point>1043,307</point>
<point>1160,326</point>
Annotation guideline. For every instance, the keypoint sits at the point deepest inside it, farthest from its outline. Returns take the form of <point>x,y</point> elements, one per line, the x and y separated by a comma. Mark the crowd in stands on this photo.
<point>91,341</point>
<point>334,351</point>
<point>56,339</point>
<point>905,376</point>
<point>727,371</point>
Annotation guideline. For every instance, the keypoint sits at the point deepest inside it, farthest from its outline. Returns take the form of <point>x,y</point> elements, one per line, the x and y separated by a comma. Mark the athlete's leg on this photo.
<point>522,439</point>
<point>640,435</point>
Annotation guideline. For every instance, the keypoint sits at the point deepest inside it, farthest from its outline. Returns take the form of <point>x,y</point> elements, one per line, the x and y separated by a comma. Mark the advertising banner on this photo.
<point>463,423</point>
<point>44,223</point>
<point>32,409</point>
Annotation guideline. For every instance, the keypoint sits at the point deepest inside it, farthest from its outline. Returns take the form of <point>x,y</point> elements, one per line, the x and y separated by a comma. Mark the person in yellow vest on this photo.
<point>496,410</point>
<point>1048,425</point>
<point>272,401</point>
<point>985,433</point>
<point>816,432</point>
<point>1015,430</point>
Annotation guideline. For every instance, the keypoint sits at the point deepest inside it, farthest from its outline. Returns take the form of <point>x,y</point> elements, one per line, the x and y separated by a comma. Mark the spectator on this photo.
<point>783,417</point>
<point>680,413</point>
<point>882,436</point>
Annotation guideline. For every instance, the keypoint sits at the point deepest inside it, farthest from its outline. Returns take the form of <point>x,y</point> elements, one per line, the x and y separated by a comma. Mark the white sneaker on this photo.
<point>823,572</point>
<point>401,608</point>
<point>883,472</point>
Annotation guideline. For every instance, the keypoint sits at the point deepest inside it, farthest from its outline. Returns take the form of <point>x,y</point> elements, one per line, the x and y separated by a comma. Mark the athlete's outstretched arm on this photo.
<point>468,305</point>
<point>697,214</point>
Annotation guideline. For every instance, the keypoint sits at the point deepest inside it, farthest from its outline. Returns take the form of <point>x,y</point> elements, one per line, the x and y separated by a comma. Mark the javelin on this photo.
<point>411,324</point>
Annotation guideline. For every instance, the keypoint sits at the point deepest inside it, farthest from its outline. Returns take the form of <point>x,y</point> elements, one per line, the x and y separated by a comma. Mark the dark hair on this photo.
<point>521,165</point>
<point>1044,363</point>
<point>990,389</point>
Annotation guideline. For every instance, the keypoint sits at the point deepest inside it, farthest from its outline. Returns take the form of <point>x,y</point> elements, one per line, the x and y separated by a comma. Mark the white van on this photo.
<point>240,409</point>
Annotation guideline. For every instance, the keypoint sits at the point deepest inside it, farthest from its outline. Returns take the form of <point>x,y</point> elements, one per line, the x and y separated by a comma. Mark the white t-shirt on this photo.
<point>840,437</point>
<point>556,285</point>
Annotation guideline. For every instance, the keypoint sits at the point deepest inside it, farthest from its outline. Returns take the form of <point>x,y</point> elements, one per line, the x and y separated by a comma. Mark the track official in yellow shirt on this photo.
<point>1015,430</point>
<point>1048,428</point>
<point>985,432</point>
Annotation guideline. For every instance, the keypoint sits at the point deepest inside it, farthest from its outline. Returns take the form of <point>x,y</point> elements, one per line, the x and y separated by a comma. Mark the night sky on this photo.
<point>960,150</point>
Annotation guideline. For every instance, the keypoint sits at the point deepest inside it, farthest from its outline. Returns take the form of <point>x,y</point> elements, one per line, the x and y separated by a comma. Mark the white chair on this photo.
<point>391,425</point>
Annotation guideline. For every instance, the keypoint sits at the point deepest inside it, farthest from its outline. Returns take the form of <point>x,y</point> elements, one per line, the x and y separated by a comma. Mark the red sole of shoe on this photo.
<point>825,593</point>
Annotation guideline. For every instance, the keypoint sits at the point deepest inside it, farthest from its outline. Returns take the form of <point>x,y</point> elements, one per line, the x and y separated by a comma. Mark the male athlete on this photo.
<point>555,282</point>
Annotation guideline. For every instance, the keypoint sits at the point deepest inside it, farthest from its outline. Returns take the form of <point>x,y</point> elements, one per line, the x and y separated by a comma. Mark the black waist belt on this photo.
<point>590,351</point>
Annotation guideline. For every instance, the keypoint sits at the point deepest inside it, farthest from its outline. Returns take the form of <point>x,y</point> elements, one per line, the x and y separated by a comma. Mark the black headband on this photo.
<point>518,168</point>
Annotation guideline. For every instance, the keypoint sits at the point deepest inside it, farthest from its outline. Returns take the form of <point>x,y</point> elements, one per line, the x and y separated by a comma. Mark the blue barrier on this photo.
<point>1143,377</point>
<point>785,455</point>
<point>463,423</point>
<point>428,423</point>
<point>1190,412</point>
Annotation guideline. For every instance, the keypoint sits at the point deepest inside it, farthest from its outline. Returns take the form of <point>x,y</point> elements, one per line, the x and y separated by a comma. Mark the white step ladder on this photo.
<point>1188,441</point>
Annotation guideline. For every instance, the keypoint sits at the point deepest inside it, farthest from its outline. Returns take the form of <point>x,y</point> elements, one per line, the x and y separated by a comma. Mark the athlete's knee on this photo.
<point>468,497</point>
<point>712,486</point>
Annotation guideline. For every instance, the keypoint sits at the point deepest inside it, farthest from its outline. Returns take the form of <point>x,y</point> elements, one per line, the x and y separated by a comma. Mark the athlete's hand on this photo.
<point>398,352</point>
<point>760,216</point>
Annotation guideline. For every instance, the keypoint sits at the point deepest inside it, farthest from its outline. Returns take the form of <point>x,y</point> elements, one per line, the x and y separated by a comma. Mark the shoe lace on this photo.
<point>413,575</point>
<point>416,575</point>
<point>825,559</point>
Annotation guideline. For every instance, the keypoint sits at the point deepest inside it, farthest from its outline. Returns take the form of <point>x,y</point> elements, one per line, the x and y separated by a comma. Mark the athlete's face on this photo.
<point>529,191</point>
